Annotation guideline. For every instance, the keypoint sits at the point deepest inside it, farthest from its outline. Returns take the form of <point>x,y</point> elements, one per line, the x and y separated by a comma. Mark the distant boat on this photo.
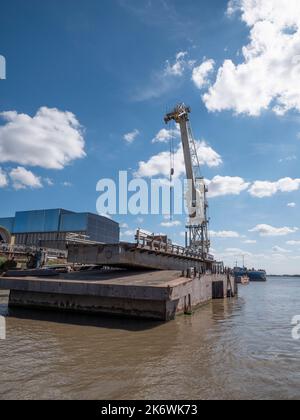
<point>253,275</point>
<point>257,275</point>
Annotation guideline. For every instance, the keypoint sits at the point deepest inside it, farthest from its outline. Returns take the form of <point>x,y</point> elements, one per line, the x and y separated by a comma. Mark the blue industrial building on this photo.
<point>52,226</point>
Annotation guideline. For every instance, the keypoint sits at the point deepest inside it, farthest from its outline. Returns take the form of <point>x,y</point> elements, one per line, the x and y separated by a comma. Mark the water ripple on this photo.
<point>234,349</point>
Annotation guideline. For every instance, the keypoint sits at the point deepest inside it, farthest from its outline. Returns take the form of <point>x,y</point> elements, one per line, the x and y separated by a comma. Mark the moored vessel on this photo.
<point>253,275</point>
<point>257,275</point>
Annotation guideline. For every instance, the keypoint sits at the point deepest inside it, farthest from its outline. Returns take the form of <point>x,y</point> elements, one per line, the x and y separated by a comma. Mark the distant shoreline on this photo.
<point>283,275</point>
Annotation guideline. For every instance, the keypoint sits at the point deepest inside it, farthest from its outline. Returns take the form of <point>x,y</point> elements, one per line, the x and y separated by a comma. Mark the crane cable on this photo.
<point>172,168</point>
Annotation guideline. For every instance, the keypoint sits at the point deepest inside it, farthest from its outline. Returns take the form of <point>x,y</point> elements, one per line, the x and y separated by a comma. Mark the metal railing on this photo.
<point>80,239</point>
<point>154,243</point>
<point>25,249</point>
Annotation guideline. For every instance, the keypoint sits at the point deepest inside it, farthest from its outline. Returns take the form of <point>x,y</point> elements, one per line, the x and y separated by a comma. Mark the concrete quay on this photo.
<point>157,295</point>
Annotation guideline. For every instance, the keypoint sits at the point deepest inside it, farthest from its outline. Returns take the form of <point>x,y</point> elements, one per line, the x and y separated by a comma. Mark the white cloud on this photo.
<point>51,139</point>
<point>250,242</point>
<point>263,189</point>
<point>278,249</point>
<point>267,230</point>
<point>164,135</point>
<point>49,182</point>
<point>268,76</point>
<point>124,226</point>
<point>235,252</point>
<point>3,179</point>
<point>128,233</point>
<point>67,184</point>
<point>166,79</point>
<point>292,205</point>
<point>293,243</point>
<point>201,73</point>
<point>226,185</point>
<point>22,179</point>
<point>288,159</point>
<point>207,155</point>
<point>224,234</point>
<point>277,256</point>
<point>160,164</point>
<point>178,67</point>
<point>131,137</point>
<point>170,224</point>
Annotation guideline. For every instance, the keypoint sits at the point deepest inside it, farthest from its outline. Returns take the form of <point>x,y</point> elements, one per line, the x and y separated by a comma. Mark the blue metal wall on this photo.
<point>7,223</point>
<point>102,229</point>
<point>37,221</point>
<point>76,222</point>
<point>98,228</point>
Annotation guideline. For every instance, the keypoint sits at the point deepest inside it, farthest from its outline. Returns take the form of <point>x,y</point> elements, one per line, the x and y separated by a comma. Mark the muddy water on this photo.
<point>237,349</point>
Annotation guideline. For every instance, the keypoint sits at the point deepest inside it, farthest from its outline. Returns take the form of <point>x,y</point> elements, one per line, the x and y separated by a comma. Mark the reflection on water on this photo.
<point>233,349</point>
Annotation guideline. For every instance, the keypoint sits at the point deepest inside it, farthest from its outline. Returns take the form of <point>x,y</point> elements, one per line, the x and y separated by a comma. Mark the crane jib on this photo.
<point>196,191</point>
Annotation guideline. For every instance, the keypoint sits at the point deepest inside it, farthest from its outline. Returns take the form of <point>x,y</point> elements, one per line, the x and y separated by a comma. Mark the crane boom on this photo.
<point>196,194</point>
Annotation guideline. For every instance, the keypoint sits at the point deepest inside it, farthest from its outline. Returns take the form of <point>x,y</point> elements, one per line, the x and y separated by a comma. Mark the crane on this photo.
<point>197,239</point>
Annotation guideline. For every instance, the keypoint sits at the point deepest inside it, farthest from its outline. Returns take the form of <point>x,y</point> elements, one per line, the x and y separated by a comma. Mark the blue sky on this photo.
<point>114,64</point>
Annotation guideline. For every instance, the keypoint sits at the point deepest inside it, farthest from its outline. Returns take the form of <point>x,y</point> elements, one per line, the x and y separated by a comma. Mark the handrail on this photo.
<point>25,249</point>
<point>144,241</point>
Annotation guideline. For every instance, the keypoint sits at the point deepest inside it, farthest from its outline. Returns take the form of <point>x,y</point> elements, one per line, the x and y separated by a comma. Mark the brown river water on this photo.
<point>237,349</point>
